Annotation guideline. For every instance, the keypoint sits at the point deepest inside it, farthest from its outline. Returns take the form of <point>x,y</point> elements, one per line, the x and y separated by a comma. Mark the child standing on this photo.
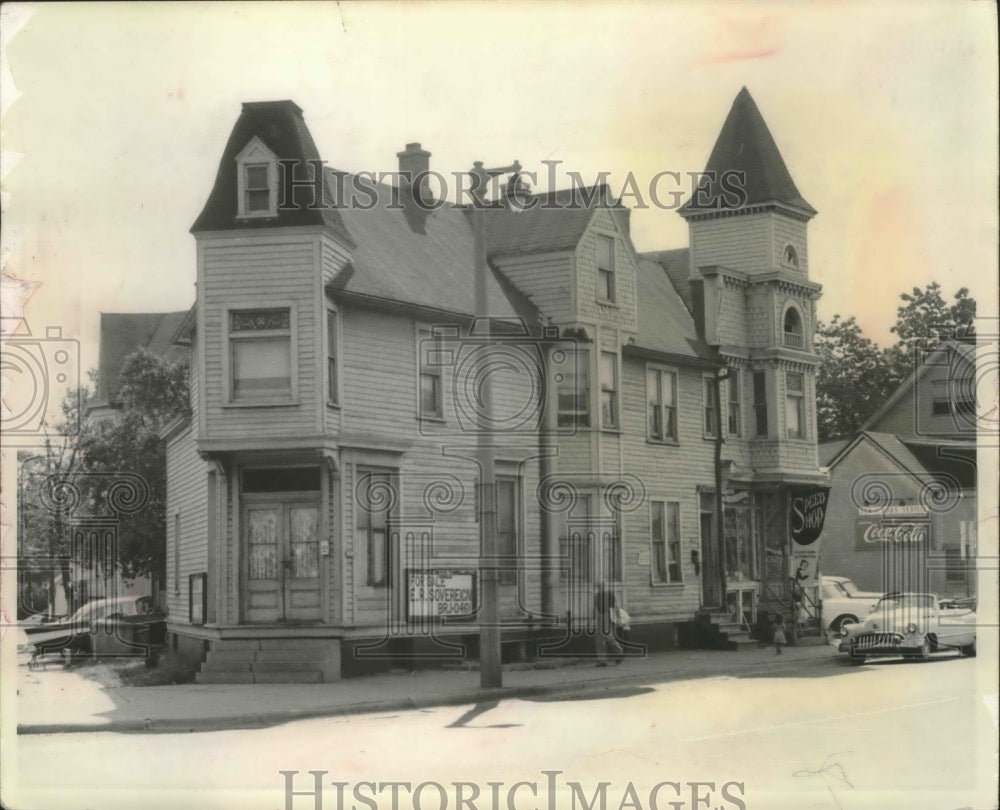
<point>778,635</point>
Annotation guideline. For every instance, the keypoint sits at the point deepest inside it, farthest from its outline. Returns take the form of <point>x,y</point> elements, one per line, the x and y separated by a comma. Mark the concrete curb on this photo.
<point>266,719</point>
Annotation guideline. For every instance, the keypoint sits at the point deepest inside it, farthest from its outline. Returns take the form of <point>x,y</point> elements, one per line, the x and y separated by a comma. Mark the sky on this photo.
<point>115,117</point>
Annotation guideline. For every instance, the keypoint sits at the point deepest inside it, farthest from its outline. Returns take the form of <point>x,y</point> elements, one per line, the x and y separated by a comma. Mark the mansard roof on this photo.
<point>745,145</point>
<point>281,128</point>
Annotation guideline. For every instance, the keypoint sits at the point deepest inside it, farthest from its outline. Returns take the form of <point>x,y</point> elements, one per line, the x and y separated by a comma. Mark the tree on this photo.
<point>923,320</point>
<point>855,376</point>
<point>852,379</point>
<point>153,392</point>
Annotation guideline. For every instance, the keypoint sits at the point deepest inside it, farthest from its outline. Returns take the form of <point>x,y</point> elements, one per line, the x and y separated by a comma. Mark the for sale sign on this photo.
<point>439,594</point>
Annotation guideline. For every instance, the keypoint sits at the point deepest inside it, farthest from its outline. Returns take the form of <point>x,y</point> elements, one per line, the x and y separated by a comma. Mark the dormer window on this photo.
<point>790,257</point>
<point>257,181</point>
<point>257,189</point>
<point>793,338</point>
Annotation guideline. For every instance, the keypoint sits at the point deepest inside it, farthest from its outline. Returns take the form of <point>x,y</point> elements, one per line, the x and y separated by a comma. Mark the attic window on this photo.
<point>790,257</point>
<point>257,181</point>
<point>257,189</point>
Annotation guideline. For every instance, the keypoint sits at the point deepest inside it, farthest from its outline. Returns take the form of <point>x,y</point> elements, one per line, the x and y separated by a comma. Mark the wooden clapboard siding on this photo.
<point>261,271</point>
<point>739,243</point>
<point>790,232</point>
<point>669,472</point>
<point>622,312</point>
<point>187,496</point>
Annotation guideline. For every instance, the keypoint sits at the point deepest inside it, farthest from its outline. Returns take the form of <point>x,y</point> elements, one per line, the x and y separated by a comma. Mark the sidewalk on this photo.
<point>57,700</point>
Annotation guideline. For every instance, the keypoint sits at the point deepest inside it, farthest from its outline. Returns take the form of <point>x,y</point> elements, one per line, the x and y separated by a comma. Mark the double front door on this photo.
<point>282,571</point>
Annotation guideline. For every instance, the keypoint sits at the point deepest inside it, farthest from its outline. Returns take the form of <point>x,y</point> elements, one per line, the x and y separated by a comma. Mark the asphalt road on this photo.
<point>823,735</point>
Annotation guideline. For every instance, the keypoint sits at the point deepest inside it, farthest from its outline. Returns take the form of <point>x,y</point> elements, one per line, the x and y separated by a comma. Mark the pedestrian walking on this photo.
<point>605,610</point>
<point>778,634</point>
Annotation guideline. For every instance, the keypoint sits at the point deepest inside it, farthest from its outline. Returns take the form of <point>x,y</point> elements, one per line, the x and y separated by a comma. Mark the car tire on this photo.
<point>969,650</point>
<point>840,621</point>
<point>855,658</point>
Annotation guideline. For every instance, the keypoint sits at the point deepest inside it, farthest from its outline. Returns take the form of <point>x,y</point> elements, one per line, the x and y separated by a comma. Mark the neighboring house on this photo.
<point>902,512</point>
<point>329,461</point>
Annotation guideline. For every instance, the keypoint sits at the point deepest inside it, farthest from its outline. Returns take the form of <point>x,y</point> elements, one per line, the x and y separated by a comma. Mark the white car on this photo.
<point>843,603</point>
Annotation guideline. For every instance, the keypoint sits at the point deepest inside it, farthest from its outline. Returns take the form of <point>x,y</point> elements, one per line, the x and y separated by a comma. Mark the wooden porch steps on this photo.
<point>271,661</point>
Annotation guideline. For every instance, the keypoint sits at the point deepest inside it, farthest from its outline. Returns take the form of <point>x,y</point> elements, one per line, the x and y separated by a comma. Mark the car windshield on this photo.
<point>849,586</point>
<point>893,601</point>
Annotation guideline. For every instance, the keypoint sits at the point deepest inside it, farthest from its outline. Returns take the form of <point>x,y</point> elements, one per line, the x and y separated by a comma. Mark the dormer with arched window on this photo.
<point>793,333</point>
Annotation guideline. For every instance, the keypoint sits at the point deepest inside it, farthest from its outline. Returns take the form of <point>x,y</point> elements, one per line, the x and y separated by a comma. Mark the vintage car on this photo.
<point>120,626</point>
<point>843,603</point>
<point>913,625</point>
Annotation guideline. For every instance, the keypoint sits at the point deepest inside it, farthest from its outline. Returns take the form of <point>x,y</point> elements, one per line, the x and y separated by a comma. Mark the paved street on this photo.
<point>816,734</point>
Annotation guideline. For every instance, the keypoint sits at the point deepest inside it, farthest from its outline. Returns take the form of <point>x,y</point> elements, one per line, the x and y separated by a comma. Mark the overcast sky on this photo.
<point>885,114</point>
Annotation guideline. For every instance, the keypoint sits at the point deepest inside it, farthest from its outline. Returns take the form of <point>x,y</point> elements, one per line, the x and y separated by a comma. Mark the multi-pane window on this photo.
<point>375,496</point>
<point>431,394</point>
<point>260,354</point>
<point>331,357</point>
<point>794,405</point>
<point>573,389</point>
<point>760,403</point>
<point>735,422</point>
<point>609,390</point>
<point>665,531</point>
<point>710,405</point>
<point>507,522</point>
<point>256,188</point>
<point>605,268</point>
<point>661,396</point>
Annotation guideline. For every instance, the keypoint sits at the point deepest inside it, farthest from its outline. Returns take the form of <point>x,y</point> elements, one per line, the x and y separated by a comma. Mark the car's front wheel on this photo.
<point>969,650</point>
<point>838,624</point>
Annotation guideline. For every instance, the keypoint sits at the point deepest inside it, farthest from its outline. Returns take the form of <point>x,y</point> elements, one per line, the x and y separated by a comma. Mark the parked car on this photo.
<point>130,622</point>
<point>843,603</point>
<point>912,625</point>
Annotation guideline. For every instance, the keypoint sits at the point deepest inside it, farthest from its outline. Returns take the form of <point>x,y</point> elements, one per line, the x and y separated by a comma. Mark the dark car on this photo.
<point>126,625</point>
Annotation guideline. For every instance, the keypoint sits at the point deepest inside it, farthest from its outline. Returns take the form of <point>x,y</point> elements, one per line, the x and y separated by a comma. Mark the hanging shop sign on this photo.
<point>807,513</point>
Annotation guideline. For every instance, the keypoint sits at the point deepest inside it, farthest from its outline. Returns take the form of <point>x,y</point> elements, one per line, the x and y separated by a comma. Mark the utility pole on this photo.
<point>490,670</point>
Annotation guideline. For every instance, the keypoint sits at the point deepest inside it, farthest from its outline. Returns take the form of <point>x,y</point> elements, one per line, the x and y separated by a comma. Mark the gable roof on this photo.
<point>891,446</point>
<point>124,333</point>
<point>556,221</point>
<point>665,325</point>
<point>745,145</point>
<point>406,253</point>
<point>967,352</point>
<point>281,127</point>
<point>676,263</point>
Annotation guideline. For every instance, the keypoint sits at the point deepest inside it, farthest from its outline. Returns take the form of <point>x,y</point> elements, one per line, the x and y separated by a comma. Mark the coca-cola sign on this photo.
<point>875,533</point>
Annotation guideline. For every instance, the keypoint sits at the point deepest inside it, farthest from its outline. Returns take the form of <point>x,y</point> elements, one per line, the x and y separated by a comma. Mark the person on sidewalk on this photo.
<point>604,625</point>
<point>778,635</point>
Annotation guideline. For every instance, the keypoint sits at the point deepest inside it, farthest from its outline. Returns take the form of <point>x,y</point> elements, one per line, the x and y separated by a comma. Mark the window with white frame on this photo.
<point>793,334</point>
<point>260,346</point>
<point>332,383</point>
<point>710,405</point>
<point>375,495</point>
<point>666,539</point>
<point>573,388</point>
<point>760,403</point>
<point>256,181</point>
<point>794,405</point>
<point>605,268</point>
<point>507,522</point>
<point>431,389</point>
<point>661,396</point>
<point>735,402</point>
<point>941,400</point>
<point>609,390</point>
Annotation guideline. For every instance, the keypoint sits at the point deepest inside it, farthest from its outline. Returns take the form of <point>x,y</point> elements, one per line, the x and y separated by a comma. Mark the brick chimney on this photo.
<point>413,161</point>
